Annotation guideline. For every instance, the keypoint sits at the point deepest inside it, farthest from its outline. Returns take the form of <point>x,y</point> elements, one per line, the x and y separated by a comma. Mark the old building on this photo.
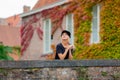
<point>87,21</point>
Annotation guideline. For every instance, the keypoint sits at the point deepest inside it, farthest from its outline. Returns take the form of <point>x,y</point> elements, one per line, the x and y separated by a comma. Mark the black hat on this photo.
<point>67,32</point>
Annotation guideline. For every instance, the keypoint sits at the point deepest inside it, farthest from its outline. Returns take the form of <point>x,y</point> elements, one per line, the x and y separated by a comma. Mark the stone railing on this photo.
<point>60,70</point>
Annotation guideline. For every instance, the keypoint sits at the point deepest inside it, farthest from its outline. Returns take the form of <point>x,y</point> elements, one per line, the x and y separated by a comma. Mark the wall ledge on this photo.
<point>58,63</point>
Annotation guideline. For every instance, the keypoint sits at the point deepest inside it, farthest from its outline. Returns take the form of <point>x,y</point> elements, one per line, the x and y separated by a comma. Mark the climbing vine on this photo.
<point>27,31</point>
<point>109,46</point>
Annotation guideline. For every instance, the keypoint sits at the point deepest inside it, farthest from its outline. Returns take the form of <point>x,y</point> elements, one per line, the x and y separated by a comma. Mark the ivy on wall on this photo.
<point>109,46</point>
<point>27,31</point>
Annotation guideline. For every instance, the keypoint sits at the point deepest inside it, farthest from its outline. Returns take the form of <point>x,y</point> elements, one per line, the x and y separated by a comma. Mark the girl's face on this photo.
<point>65,36</point>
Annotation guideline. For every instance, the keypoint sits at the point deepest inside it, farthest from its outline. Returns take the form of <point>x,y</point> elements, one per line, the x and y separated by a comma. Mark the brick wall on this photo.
<point>35,48</point>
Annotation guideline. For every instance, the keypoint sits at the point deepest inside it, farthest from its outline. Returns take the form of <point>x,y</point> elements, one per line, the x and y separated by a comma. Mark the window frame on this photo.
<point>72,25</point>
<point>44,37</point>
<point>98,26</point>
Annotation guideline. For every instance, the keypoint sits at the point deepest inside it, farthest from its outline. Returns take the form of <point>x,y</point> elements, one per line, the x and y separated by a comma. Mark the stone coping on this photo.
<point>58,63</point>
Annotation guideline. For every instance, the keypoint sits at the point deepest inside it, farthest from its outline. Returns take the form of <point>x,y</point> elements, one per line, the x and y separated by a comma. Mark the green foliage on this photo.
<point>104,73</point>
<point>4,71</point>
<point>109,46</point>
<point>116,76</point>
<point>4,50</point>
<point>82,73</point>
<point>17,49</point>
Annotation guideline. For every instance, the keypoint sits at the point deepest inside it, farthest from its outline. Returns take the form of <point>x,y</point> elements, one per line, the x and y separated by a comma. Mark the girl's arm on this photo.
<point>62,56</point>
<point>70,55</point>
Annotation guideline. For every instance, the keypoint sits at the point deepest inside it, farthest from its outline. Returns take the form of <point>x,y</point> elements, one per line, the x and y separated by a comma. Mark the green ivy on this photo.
<point>109,46</point>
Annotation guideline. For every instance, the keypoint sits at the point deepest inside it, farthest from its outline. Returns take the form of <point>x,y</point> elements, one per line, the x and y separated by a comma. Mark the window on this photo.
<point>47,36</point>
<point>95,37</point>
<point>70,26</point>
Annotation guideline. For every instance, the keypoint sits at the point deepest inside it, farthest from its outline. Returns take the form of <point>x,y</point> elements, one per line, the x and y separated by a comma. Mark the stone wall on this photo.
<point>39,74</point>
<point>60,70</point>
<point>81,73</point>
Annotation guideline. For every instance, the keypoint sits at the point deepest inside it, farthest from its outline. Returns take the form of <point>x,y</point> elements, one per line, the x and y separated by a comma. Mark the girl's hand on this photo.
<point>70,47</point>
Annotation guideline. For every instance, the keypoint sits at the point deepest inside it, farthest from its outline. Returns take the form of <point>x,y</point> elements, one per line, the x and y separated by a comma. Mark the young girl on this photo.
<point>64,49</point>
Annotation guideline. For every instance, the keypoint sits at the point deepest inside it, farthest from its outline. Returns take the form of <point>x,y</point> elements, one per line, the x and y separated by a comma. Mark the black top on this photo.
<point>60,50</point>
